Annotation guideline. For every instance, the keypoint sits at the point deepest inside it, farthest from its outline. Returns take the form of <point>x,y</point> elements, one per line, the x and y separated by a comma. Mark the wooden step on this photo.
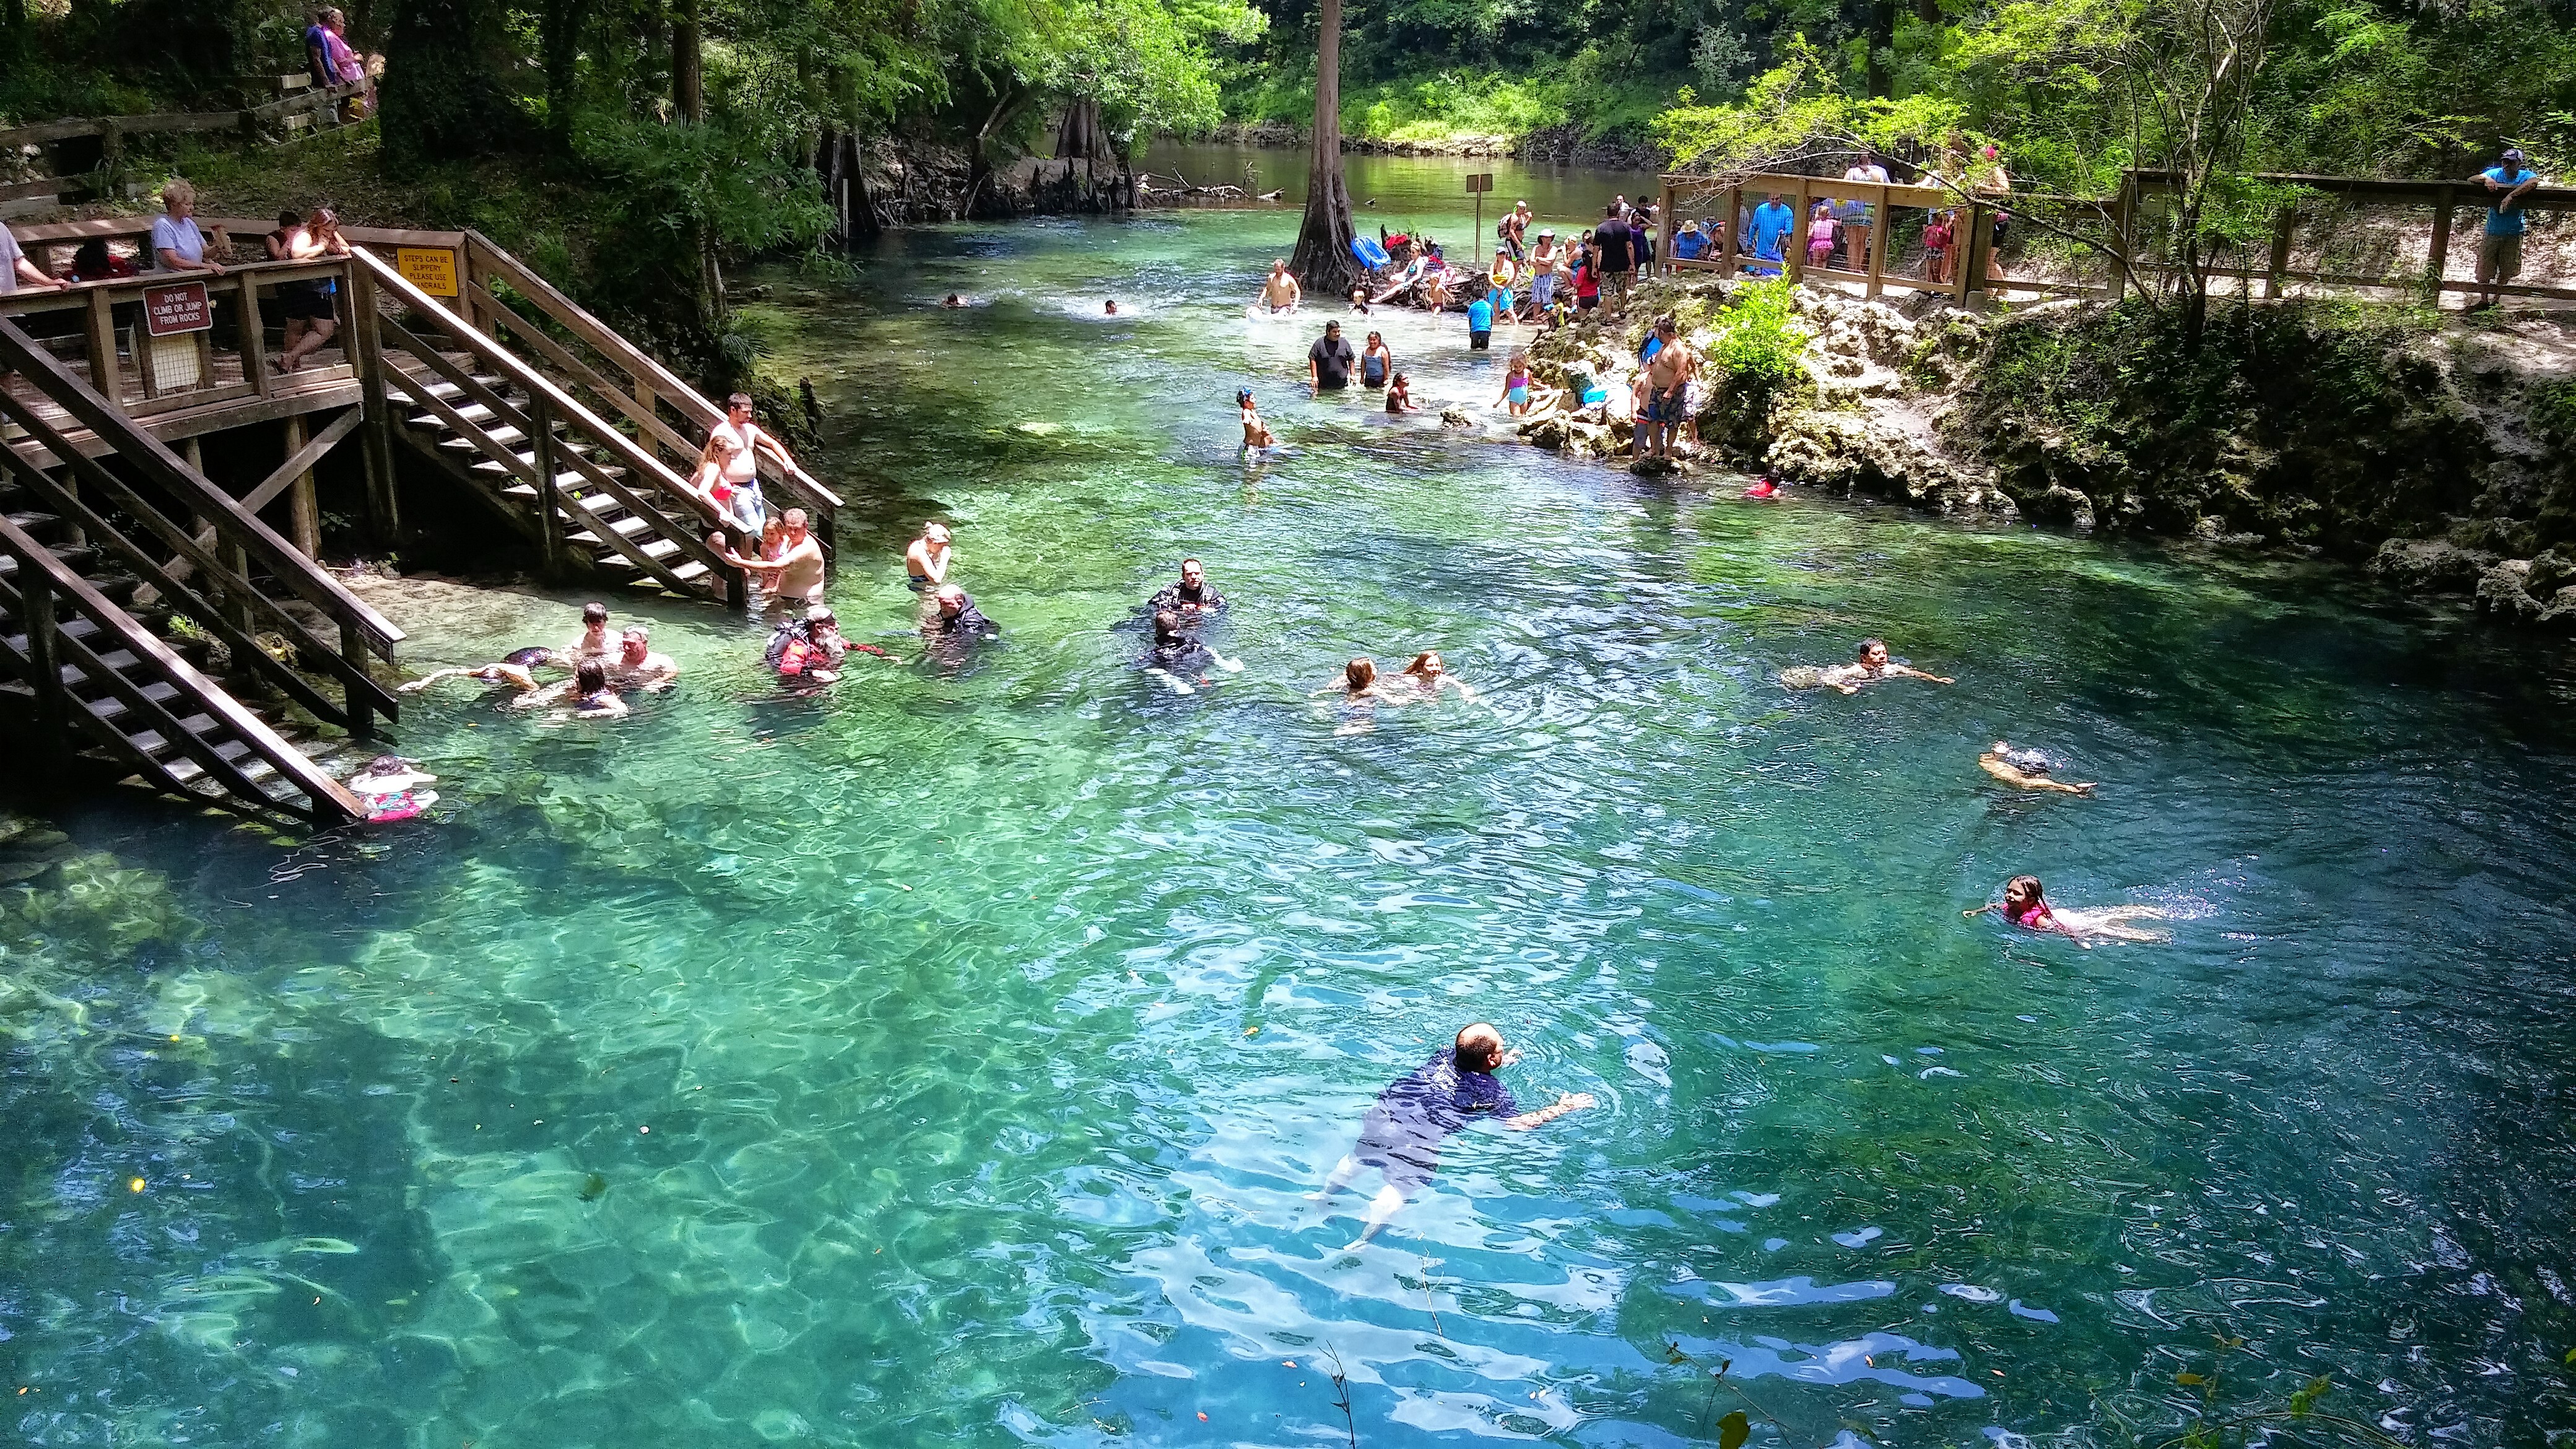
<point>627,527</point>
<point>74,627</point>
<point>504,435</point>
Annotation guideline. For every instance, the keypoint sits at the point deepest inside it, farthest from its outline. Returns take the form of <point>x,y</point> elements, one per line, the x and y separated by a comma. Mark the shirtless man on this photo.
<point>1668,377</point>
<point>742,466</point>
<point>926,562</point>
<point>638,667</point>
<point>799,565</point>
<point>1281,292</point>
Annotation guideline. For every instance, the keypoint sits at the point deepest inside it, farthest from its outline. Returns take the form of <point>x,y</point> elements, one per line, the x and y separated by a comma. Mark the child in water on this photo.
<point>1256,434</point>
<point>1399,395</point>
<point>1516,386</point>
<point>2025,905</point>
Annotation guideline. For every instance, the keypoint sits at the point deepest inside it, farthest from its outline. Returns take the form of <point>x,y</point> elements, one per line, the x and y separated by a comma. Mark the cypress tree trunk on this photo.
<point>1323,262</point>
<point>688,63</point>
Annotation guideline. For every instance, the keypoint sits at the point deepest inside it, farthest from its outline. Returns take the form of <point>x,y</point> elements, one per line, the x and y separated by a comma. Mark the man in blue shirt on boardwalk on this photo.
<point>1765,231</point>
<point>1402,1133</point>
<point>2500,249</point>
<point>1480,324</point>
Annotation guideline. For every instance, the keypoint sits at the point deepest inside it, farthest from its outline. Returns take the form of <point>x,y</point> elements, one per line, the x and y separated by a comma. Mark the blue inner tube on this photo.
<point>1368,251</point>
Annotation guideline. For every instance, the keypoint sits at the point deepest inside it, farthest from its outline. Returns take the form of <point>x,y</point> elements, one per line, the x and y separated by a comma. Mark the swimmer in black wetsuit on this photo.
<point>1402,1133</point>
<point>1191,597</point>
<point>1177,658</point>
<point>957,617</point>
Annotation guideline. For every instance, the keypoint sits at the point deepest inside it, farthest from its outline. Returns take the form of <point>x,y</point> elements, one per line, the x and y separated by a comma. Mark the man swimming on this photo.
<point>1281,293</point>
<point>1402,1134</point>
<point>808,650</point>
<point>926,561</point>
<point>2025,770</point>
<point>1870,667</point>
<point>1191,596</point>
<point>638,667</point>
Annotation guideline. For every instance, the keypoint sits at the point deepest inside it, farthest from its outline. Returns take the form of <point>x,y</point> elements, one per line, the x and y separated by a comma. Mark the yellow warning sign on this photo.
<point>432,269</point>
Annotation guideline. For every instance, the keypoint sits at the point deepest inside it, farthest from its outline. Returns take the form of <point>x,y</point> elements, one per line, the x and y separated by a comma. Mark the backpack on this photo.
<point>790,633</point>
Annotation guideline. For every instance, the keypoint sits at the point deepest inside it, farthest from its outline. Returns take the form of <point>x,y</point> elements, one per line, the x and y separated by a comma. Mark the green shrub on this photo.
<point>1758,337</point>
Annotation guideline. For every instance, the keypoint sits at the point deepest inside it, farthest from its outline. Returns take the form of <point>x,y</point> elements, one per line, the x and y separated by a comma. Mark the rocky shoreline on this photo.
<point>2432,458</point>
<point>1553,145</point>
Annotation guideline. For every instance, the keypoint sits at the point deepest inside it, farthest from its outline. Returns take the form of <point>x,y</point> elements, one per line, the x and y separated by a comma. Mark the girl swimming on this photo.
<point>2025,905</point>
<point>1399,395</point>
<point>1427,673</point>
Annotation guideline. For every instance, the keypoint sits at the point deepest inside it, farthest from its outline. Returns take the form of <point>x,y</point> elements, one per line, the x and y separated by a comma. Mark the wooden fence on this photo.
<point>2108,229</point>
<point>253,124</point>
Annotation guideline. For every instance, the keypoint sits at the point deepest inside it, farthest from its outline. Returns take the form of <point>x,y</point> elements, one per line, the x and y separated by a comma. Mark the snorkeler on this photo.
<point>514,671</point>
<point>389,786</point>
<point>1431,676</point>
<point>2024,905</point>
<point>1765,487</point>
<point>2025,770</point>
<point>1256,433</point>
<point>1870,667</point>
<point>1402,1134</point>
<point>1176,655</point>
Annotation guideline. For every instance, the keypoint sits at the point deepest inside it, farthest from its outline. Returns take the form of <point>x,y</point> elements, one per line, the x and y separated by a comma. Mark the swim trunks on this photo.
<point>1479,341</point>
<point>1664,405</point>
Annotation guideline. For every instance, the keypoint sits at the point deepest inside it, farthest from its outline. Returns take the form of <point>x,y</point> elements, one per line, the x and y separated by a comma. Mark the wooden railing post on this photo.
<point>362,713</point>
<point>1734,228</point>
<point>367,355</point>
<point>2124,234</point>
<point>2284,226</point>
<point>1795,243</point>
<point>1972,253</point>
<point>104,378</point>
<point>1882,235</point>
<point>254,337</point>
<point>44,657</point>
<point>2438,260</point>
<point>1672,227</point>
<point>303,514</point>
<point>541,453</point>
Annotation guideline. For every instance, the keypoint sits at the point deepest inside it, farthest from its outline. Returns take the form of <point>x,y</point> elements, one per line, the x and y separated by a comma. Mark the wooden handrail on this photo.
<point>328,797</point>
<point>121,290</point>
<point>151,457</point>
<point>62,498</point>
<point>692,405</point>
<point>581,419</point>
<point>65,130</point>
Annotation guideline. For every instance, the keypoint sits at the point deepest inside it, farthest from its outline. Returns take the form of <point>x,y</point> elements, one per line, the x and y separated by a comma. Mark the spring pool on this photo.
<point>991,1018</point>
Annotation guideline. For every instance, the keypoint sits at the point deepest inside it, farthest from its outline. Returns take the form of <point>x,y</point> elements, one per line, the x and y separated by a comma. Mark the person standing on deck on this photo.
<point>17,271</point>
<point>1856,212</point>
<point>2500,248</point>
<point>177,244</point>
<point>1402,1134</point>
<point>1766,233</point>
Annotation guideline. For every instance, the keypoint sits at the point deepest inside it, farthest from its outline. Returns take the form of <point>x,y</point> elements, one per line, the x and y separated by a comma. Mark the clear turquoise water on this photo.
<point>991,1019</point>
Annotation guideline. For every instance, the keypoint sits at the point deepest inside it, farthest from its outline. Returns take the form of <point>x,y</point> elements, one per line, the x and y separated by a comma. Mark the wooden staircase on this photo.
<point>100,559</point>
<point>589,470</point>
